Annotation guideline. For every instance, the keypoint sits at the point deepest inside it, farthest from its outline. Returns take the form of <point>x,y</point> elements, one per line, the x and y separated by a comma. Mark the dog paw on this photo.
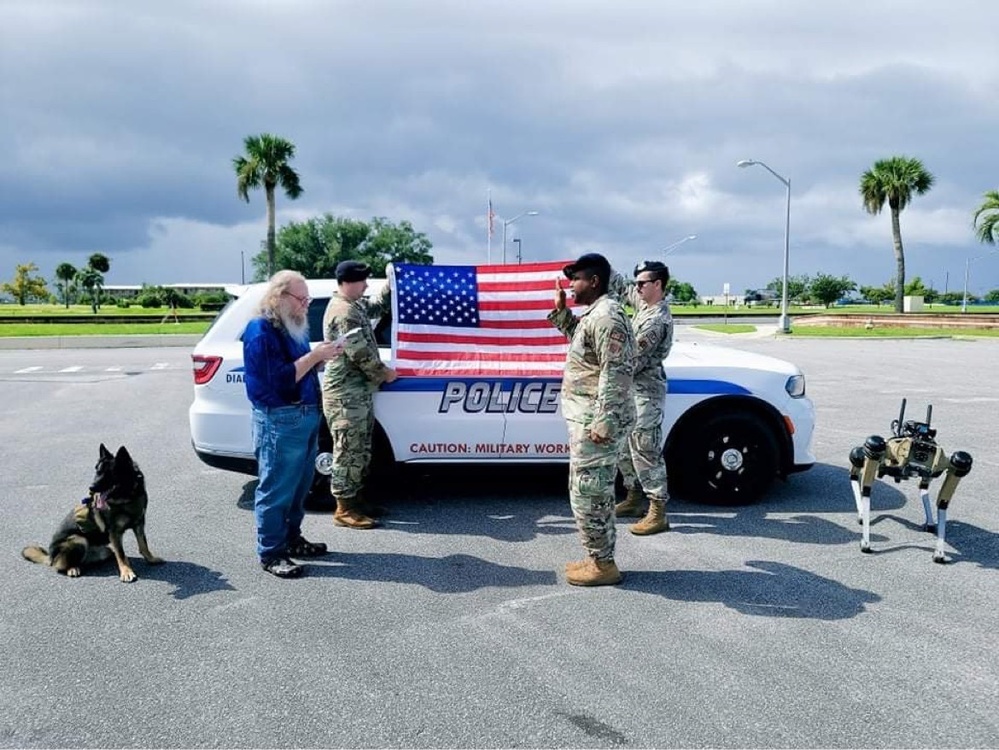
<point>128,575</point>
<point>155,560</point>
<point>73,572</point>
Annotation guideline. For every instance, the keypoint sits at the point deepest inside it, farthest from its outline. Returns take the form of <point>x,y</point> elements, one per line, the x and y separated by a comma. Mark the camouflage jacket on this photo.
<point>653,329</point>
<point>596,386</point>
<point>360,366</point>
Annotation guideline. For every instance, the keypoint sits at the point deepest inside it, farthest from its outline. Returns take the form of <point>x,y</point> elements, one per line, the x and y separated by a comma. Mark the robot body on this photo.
<point>910,452</point>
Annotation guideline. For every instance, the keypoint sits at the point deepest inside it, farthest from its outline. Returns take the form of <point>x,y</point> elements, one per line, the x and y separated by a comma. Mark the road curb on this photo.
<point>100,342</point>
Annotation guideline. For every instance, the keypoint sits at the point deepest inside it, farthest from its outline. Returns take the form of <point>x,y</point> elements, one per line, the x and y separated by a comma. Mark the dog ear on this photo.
<point>105,453</point>
<point>122,455</point>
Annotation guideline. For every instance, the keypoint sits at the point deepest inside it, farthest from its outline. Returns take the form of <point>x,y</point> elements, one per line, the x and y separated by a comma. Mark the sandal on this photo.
<point>282,567</point>
<point>301,547</point>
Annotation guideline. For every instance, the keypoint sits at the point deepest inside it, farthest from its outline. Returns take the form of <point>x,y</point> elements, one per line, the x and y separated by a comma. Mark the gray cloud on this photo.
<point>620,122</point>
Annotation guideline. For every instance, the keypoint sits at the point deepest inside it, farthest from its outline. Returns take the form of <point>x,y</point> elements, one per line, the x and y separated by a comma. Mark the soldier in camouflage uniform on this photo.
<point>598,408</point>
<point>348,387</point>
<point>642,465</point>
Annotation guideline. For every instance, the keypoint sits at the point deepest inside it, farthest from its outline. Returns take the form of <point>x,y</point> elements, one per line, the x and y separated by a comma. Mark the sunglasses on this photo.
<point>643,282</point>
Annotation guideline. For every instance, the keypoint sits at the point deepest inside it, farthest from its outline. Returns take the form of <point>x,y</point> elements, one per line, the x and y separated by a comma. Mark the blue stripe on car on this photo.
<point>693,386</point>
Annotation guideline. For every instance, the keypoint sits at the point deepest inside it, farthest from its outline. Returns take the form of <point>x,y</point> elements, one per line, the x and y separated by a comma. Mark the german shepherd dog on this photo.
<point>117,502</point>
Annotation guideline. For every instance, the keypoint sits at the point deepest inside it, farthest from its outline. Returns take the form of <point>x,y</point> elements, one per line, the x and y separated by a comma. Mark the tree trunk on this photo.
<point>270,230</point>
<point>896,235</point>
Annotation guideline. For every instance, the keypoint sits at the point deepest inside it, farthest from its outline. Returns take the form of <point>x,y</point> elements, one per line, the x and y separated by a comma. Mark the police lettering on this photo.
<point>234,377</point>
<point>498,397</point>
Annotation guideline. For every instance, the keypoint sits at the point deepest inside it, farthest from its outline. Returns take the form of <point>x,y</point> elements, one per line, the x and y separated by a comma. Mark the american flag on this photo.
<point>489,321</point>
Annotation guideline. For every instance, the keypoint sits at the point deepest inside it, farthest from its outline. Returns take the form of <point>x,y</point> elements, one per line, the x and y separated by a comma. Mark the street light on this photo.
<point>508,222</point>
<point>670,248</point>
<point>967,269</point>
<point>520,257</point>
<point>785,322</point>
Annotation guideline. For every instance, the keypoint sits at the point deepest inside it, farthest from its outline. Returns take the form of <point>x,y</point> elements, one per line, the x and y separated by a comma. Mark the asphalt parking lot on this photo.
<point>760,626</point>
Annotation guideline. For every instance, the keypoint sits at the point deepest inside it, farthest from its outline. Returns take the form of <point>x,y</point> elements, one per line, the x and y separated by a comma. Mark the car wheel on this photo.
<point>729,459</point>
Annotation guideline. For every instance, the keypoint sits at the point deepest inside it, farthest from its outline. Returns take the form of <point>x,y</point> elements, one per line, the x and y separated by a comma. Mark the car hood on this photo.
<point>687,358</point>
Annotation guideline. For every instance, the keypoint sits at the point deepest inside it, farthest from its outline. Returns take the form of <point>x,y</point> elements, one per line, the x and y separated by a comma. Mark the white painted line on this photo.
<point>36,368</point>
<point>74,368</point>
<point>113,369</point>
<point>160,366</point>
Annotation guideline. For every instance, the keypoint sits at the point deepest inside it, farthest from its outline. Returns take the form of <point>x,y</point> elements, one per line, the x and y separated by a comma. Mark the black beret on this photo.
<point>352,270</point>
<point>591,262</point>
<point>660,269</point>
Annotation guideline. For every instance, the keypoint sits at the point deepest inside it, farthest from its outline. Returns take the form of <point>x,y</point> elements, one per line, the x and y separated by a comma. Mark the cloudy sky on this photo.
<point>619,121</point>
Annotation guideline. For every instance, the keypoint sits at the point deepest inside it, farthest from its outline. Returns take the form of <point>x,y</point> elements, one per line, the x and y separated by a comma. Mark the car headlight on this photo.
<point>795,386</point>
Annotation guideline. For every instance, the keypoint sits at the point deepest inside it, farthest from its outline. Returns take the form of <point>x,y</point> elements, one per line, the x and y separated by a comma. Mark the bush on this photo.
<point>212,301</point>
<point>123,303</point>
<point>150,300</point>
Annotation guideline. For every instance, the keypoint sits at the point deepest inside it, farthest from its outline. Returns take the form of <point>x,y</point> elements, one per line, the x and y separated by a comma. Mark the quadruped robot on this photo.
<point>910,451</point>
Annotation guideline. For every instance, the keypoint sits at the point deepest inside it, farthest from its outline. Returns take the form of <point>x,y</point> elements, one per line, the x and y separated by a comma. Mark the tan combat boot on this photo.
<point>655,520</point>
<point>593,573</point>
<point>347,515</point>
<point>632,506</point>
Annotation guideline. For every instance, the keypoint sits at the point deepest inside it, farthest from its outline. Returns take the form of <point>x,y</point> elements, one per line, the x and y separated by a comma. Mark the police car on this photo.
<point>734,421</point>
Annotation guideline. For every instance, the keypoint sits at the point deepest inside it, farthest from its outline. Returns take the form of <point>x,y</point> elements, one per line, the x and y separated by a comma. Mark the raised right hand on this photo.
<point>559,296</point>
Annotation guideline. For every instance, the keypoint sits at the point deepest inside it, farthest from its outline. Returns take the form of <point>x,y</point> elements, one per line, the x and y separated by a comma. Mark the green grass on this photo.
<point>889,332</point>
<point>99,329</point>
<point>35,310</point>
<point>681,310</point>
<point>727,327</point>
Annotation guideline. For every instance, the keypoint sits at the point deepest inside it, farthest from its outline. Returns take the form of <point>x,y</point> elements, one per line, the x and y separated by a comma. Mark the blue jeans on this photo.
<point>285,441</point>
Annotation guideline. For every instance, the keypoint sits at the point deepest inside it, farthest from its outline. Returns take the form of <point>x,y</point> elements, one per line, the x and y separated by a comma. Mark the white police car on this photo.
<point>734,421</point>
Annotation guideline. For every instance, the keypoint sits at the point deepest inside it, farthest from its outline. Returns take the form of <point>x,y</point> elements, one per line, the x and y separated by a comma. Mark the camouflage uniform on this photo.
<point>348,389</point>
<point>596,395</point>
<point>642,462</point>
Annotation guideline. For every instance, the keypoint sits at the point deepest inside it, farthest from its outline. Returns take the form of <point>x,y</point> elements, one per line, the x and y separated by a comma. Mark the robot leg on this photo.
<point>960,466</point>
<point>856,469</point>
<point>874,452</point>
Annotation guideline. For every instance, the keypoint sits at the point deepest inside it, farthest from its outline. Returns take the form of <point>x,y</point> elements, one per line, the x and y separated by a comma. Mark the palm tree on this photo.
<point>894,181</point>
<point>266,163</point>
<point>66,273</point>
<point>91,280</point>
<point>988,212</point>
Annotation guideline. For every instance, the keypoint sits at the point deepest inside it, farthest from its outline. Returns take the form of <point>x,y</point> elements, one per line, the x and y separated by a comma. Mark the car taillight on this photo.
<point>205,368</point>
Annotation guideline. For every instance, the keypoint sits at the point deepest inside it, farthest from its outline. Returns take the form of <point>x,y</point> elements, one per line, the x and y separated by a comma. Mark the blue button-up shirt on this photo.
<point>269,355</point>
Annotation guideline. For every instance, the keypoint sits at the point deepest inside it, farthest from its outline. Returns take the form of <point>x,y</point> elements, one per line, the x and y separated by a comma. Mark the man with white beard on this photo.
<point>284,391</point>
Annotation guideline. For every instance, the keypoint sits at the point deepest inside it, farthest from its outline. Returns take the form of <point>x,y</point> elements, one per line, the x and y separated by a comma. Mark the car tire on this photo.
<point>729,459</point>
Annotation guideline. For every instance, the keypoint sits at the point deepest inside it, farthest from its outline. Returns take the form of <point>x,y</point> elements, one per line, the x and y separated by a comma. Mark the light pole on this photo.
<point>785,321</point>
<point>242,268</point>
<point>670,248</point>
<point>520,257</point>
<point>967,269</point>
<point>508,222</point>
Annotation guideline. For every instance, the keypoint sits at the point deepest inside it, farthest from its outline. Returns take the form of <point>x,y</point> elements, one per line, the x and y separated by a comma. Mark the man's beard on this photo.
<point>297,329</point>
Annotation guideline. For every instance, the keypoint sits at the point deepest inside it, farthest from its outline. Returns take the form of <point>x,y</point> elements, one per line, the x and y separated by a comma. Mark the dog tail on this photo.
<point>36,554</point>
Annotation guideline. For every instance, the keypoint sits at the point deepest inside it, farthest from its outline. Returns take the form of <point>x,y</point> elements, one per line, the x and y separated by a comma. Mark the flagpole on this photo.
<point>489,226</point>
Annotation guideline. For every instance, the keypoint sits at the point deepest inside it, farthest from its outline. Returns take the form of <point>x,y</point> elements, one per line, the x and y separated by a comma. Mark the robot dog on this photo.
<point>910,451</point>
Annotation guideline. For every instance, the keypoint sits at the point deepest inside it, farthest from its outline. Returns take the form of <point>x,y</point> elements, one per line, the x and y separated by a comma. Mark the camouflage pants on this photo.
<point>642,462</point>
<point>592,471</point>
<point>351,420</point>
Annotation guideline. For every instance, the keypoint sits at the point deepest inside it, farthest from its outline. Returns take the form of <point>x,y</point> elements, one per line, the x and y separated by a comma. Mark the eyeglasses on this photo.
<point>642,282</point>
<point>301,300</point>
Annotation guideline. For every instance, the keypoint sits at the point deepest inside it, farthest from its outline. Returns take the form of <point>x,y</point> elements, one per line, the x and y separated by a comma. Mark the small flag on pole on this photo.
<point>490,216</point>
